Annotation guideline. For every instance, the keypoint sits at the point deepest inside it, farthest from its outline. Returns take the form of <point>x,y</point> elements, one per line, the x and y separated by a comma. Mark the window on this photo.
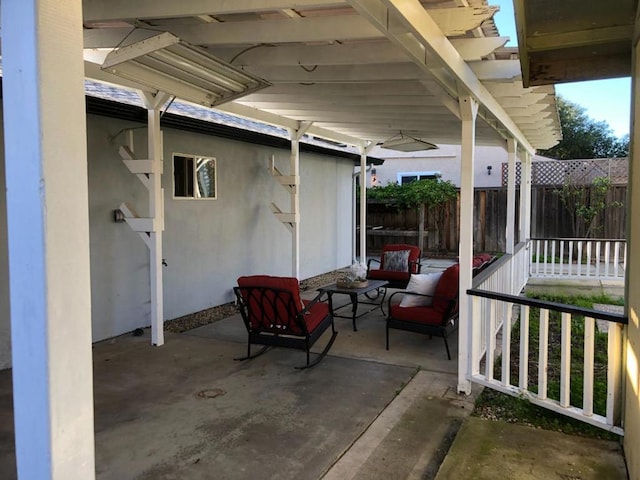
<point>194,177</point>
<point>408,177</point>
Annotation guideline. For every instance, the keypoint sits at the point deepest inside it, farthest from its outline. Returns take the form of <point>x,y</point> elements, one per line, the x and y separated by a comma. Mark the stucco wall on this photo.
<point>445,160</point>
<point>207,243</point>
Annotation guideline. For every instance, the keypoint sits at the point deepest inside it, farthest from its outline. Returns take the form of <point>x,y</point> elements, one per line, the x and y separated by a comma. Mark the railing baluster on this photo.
<point>506,346</point>
<point>543,354</point>
<point>490,340</point>
<point>579,258</point>
<point>473,341</point>
<point>553,257</point>
<point>624,254</point>
<point>614,372</point>
<point>589,351</point>
<point>570,256</point>
<point>588,265</point>
<point>616,259</point>
<point>561,255</point>
<point>523,381</point>
<point>538,257</point>
<point>607,258</point>
<point>565,361</point>
<point>598,259</point>
<point>546,255</point>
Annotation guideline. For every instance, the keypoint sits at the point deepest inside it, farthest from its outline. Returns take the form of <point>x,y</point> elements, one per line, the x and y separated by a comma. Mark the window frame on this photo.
<point>426,173</point>
<point>194,159</point>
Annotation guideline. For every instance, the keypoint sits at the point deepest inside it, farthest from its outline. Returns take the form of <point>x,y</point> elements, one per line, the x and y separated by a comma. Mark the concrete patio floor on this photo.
<point>187,410</point>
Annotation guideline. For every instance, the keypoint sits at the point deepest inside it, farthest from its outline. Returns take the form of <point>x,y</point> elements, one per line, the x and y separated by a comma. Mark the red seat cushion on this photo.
<point>375,274</point>
<point>426,315</point>
<point>316,314</point>
<point>481,258</point>
<point>447,288</point>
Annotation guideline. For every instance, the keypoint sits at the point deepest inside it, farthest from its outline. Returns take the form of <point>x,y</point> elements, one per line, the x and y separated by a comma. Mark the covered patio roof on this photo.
<point>574,40</point>
<point>359,72</point>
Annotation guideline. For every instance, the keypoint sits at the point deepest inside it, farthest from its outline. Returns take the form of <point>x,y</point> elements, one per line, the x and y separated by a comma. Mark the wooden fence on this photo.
<point>549,219</point>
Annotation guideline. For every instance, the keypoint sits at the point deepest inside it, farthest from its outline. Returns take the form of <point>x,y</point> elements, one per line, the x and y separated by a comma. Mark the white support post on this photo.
<point>526,185</point>
<point>295,204</point>
<point>156,212</point>
<point>363,205</point>
<point>512,147</point>
<point>48,236</point>
<point>523,199</point>
<point>468,111</point>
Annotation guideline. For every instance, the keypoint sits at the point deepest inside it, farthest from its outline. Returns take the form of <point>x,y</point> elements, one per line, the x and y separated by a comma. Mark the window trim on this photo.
<point>424,173</point>
<point>194,157</point>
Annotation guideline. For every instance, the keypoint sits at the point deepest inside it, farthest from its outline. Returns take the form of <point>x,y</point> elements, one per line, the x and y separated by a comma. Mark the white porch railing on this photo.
<point>578,258</point>
<point>547,372</point>
<point>506,275</point>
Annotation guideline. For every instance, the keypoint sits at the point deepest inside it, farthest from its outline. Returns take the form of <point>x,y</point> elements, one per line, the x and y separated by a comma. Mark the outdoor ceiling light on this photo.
<point>407,144</point>
<point>168,64</point>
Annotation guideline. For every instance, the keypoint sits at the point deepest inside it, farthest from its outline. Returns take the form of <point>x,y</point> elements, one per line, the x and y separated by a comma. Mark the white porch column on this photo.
<point>526,168</point>
<point>631,388</point>
<point>468,111</point>
<point>363,205</point>
<point>48,225</point>
<point>512,146</point>
<point>156,212</point>
<point>295,206</point>
<point>525,197</point>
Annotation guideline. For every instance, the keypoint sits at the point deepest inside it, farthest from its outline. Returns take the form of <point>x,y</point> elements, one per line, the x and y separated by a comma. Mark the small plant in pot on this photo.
<point>356,277</point>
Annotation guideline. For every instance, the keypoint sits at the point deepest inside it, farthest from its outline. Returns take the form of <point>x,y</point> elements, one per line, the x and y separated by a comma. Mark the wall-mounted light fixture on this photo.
<point>489,167</point>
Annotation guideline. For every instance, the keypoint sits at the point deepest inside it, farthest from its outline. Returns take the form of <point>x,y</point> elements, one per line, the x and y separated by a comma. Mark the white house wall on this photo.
<point>445,160</point>
<point>207,243</point>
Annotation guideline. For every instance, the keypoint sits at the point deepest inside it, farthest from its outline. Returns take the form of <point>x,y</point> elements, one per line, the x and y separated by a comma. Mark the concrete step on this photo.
<point>410,438</point>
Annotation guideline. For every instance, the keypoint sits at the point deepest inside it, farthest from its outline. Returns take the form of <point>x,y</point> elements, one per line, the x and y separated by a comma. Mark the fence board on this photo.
<point>549,219</point>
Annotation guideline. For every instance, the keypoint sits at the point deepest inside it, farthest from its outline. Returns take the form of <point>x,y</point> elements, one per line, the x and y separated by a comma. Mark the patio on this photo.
<point>187,410</point>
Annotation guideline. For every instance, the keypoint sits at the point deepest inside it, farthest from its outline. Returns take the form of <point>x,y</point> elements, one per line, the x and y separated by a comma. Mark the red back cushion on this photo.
<point>268,312</point>
<point>414,254</point>
<point>447,288</point>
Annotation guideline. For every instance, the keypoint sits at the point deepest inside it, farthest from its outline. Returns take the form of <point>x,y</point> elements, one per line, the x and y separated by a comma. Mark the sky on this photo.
<point>604,100</point>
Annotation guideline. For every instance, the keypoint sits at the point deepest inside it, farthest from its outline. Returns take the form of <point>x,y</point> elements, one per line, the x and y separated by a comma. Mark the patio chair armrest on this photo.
<point>418,265</point>
<point>312,302</point>
<point>372,260</point>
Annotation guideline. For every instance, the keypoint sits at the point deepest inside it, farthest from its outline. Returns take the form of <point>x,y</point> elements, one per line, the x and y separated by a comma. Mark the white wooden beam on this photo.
<point>99,11</point>
<point>154,103</point>
<point>363,205</point>
<point>281,121</point>
<point>477,48</point>
<point>452,21</point>
<point>428,37</point>
<point>48,238</point>
<point>468,112</point>
<point>492,70</point>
